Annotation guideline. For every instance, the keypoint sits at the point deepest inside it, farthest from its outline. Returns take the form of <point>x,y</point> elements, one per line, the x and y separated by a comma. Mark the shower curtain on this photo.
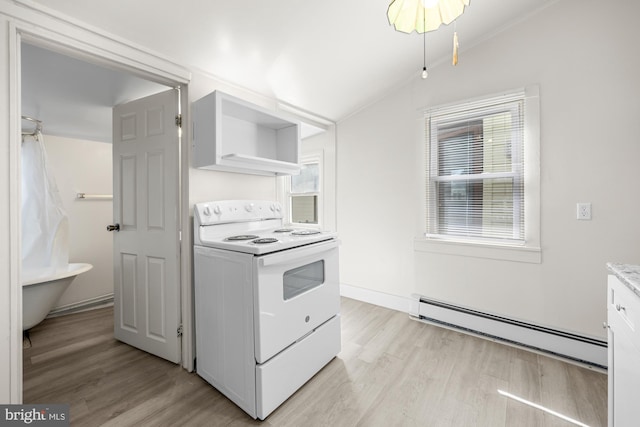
<point>45,226</point>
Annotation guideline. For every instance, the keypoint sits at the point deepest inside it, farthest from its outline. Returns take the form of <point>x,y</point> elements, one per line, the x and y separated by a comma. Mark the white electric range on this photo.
<point>267,302</point>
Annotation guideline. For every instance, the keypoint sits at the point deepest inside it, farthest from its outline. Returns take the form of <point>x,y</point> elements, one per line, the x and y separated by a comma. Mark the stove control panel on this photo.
<point>228,211</point>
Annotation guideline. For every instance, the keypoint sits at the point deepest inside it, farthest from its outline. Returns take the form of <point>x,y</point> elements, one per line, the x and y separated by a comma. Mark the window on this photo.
<point>304,194</point>
<point>476,172</point>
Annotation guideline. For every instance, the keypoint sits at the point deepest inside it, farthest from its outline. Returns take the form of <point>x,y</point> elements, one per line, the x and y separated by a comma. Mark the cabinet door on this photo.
<point>624,375</point>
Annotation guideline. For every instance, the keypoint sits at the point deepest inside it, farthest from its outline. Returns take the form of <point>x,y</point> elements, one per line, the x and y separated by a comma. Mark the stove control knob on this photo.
<point>207,211</point>
<point>278,208</point>
<point>217,210</point>
<point>272,207</point>
<point>249,207</point>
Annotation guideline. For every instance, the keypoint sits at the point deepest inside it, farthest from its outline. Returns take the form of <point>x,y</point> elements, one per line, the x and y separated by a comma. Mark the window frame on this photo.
<point>310,158</point>
<point>527,250</point>
<point>434,142</point>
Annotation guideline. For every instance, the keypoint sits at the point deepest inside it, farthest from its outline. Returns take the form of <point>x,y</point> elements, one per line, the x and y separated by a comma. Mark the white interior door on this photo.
<point>145,208</point>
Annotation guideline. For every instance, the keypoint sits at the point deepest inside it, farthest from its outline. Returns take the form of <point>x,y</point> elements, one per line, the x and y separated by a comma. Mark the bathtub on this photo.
<point>40,294</point>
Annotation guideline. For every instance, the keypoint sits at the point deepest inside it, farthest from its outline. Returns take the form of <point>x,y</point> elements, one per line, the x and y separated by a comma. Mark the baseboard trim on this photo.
<point>89,304</point>
<point>393,302</point>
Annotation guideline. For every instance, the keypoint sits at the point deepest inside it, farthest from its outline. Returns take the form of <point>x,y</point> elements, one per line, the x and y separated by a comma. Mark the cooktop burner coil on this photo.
<point>264,240</point>
<point>241,237</point>
<point>305,232</point>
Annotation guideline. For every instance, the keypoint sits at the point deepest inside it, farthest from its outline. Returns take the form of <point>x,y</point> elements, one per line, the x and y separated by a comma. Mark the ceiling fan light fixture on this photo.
<point>422,16</point>
<point>417,15</point>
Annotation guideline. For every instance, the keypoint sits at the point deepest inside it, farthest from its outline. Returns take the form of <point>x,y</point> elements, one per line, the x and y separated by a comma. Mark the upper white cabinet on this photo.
<point>233,135</point>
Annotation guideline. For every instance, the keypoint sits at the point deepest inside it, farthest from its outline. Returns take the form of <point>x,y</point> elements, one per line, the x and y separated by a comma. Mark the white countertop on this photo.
<point>628,274</point>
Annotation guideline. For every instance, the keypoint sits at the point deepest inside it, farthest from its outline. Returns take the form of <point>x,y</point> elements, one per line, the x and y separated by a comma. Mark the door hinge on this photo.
<point>179,120</point>
<point>179,331</point>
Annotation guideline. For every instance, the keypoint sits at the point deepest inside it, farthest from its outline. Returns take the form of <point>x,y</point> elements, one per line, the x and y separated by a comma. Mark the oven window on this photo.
<point>302,279</point>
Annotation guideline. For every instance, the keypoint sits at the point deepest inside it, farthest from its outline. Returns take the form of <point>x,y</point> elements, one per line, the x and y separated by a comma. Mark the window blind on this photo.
<point>475,170</point>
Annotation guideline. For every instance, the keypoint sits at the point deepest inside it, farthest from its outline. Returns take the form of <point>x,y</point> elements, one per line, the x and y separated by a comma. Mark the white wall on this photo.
<point>80,166</point>
<point>583,57</point>
<point>377,198</point>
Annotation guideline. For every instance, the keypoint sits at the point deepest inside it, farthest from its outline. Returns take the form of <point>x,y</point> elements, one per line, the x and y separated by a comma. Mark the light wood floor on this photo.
<point>392,371</point>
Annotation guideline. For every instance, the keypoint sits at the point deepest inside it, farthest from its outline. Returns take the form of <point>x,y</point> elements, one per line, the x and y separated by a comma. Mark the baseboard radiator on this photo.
<point>554,342</point>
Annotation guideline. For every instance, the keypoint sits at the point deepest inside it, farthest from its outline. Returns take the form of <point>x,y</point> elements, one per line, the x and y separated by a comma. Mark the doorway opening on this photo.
<point>74,98</point>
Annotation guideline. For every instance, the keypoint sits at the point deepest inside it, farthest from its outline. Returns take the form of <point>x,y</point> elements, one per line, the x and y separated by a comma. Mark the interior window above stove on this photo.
<point>304,194</point>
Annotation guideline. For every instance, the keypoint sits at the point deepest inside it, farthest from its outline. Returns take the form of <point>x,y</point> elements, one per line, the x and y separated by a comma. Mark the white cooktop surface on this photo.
<point>216,222</point>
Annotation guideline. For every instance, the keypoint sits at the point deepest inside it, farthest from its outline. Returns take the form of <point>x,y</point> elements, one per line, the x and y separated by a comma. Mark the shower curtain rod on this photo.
<point>38,126</point>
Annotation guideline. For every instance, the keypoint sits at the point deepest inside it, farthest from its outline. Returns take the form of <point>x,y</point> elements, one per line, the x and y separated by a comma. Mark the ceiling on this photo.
<point>329,58</point>
<point>75,98</point>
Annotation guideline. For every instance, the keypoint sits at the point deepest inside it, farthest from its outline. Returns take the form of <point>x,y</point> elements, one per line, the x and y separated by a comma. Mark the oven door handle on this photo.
<point>288,255</point>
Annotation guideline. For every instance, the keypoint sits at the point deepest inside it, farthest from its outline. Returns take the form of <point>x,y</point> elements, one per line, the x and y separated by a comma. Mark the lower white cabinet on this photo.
<point>623,311</point>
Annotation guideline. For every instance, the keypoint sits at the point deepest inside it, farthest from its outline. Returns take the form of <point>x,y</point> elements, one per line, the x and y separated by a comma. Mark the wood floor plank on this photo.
<point>524,382</point>
<point>556,391</point>
<point>589,389</point>
<point>392,371</point>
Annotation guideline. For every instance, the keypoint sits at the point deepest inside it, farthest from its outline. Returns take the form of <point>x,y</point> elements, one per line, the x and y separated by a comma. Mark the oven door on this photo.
<point>295,291</point>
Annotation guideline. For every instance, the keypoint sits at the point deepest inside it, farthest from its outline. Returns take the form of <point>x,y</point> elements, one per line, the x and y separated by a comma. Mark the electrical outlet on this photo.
<point>584,211</point>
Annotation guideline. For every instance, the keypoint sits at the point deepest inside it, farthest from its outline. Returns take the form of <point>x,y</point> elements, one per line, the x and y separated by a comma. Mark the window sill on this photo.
<point>479,250</point>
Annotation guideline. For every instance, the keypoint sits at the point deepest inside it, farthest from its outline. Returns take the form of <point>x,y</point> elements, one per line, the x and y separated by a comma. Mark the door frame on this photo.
<point>51,30</point>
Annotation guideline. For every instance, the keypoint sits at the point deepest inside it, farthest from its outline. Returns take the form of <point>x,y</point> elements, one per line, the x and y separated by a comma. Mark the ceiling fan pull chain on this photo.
<point>454,60</point>
<point>455,48</point>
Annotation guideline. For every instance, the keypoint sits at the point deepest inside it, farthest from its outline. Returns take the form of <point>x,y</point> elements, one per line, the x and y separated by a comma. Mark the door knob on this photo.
<point>114,227</point>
